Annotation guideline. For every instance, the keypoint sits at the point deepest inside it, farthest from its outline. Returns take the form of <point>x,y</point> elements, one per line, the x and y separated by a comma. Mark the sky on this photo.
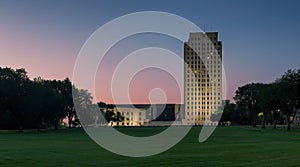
<point>260,38</point>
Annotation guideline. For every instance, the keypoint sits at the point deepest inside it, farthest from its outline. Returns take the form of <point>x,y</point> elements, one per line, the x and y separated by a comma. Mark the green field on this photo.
<point>228,146</point>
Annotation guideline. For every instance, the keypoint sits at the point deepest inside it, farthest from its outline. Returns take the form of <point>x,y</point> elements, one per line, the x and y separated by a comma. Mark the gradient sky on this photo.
<point>260,37</point>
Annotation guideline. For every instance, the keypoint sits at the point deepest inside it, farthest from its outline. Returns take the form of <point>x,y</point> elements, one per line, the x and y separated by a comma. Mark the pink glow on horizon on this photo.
<point>149,79</point>
<point>50,59</point>
<point>53,59</point>
<point>142,84</point>
<point>139,87</point>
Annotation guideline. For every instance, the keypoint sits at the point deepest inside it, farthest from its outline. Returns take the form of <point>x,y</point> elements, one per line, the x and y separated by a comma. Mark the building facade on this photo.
<point>202,78</point>
<point>147,114</point>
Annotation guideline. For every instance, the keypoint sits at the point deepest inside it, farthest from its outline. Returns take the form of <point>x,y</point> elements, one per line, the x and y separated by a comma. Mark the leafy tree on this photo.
<point>35,102</point>
<point>234,115</point>
<point>26,103</point>
<point>110,113</point>
<point>269,103</point>
<point>229,113</point>
<point>83,105</point>
<point>118,118</point>
<point>103,107</point>
<point>277,114</point>
<point>246,99</point>
<point>264,101</point>
<point>12,84</point>
<point>288,89</point>
<point>64,88</point>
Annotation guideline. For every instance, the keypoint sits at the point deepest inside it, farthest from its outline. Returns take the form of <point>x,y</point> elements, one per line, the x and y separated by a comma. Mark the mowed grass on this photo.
<point>228,146</point>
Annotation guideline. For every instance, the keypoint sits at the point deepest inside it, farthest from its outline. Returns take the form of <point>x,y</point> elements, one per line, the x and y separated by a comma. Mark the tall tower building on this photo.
<point>202,78</point>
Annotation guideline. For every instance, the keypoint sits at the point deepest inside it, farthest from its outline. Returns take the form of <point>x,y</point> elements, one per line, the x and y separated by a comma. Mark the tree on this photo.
<point>12,84</point>
<point>103,107</point>
<point>118,118</point>
<point>246,99</point>
<point>229,113</point>
<point>276,116</point>
<point>83,106</point>
<point>288,89</point>
<point>35,102</point>
<point>233,114</point>
<point>269,103</point>
<point>265,101</point>
<point>26,103</point>
<point>64,88</point>
<point>110,113</point>
<point>217,116</point>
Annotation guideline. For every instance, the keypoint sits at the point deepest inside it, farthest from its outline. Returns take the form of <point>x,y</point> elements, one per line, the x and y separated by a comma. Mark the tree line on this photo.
<point>40,103</point>
<point>265,103</point>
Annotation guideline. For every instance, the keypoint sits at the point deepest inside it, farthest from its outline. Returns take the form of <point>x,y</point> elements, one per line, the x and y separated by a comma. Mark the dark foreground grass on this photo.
<point>228,146</point>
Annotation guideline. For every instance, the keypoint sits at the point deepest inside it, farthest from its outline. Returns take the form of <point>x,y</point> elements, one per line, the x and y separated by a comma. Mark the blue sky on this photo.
<point>260,37</point>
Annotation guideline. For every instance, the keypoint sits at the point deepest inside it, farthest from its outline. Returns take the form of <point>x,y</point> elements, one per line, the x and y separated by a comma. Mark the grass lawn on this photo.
<point>228,146</point>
